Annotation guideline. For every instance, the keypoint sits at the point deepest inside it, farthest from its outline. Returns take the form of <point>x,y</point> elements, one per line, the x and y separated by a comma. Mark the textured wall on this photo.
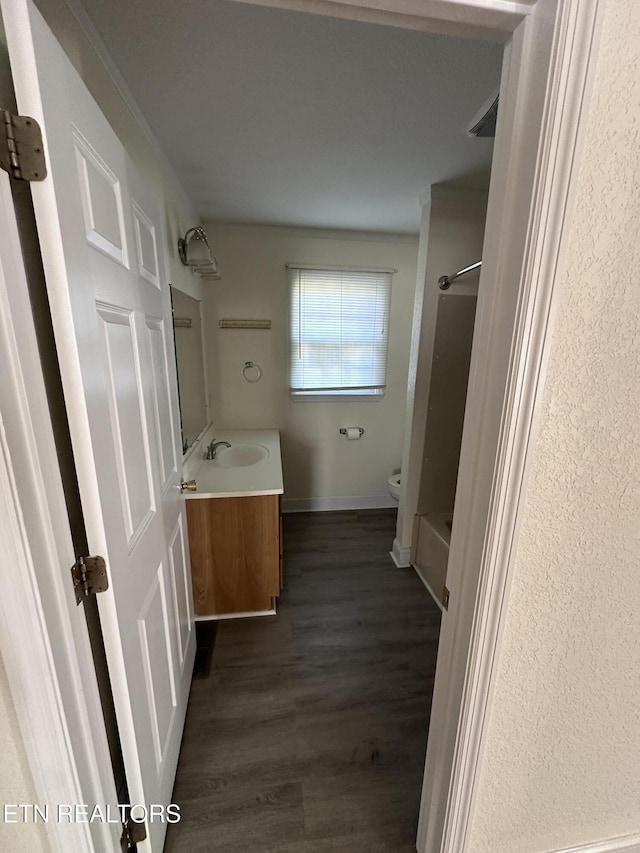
<point>562,761</point>
<point>16,784</point>
<point>318,462</point>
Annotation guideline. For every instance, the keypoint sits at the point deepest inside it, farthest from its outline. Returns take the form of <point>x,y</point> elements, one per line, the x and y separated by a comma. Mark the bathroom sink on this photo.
<point>240,455</point>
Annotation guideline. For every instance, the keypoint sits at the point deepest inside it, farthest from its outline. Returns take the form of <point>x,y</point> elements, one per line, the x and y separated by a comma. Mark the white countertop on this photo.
<point>262,478</point>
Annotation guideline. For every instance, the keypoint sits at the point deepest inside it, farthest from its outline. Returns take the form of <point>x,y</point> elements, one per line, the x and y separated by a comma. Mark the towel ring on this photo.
<point>251,365</point>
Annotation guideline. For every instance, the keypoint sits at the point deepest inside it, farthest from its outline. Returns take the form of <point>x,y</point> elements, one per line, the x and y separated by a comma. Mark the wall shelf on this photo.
<point>244,324</point>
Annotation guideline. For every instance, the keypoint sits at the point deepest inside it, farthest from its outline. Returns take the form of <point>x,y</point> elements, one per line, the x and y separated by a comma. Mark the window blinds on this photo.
<point>339,321</point>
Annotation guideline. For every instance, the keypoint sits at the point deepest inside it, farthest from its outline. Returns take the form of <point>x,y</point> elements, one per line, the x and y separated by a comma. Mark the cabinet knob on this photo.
<point>188,486</point>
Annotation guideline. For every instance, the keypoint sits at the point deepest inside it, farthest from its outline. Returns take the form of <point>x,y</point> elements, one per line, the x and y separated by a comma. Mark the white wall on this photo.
<point>319,464</point>
<point>451,237</point>
<point>561,765</point>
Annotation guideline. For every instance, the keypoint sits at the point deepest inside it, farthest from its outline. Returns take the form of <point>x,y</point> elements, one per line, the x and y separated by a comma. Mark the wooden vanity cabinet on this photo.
<point>235,546</point>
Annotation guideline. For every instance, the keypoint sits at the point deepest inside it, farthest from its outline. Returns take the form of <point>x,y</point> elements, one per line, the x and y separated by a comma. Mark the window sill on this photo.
<point>336,398</point>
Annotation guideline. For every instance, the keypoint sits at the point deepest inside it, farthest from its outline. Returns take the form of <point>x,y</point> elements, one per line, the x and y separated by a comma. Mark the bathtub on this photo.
<point>430,551</point>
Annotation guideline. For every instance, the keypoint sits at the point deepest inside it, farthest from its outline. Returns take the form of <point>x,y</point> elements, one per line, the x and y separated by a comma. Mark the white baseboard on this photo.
<point>621,844</point>
<point>438,602</point>
<point>244,615</point>
<point>342,502</point>
<point>400,556</point>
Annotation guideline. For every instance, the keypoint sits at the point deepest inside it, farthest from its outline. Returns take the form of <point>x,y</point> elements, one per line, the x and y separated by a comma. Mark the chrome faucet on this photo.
<point>213,448</point>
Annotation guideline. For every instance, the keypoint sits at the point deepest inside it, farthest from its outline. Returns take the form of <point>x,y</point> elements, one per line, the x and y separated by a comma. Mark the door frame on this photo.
<point>43,634</point>
<point>546,91</point>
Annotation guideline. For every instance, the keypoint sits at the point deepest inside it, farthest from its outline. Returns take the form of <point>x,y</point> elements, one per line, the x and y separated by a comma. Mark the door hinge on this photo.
<point>445,598</point>
<point>132,833</point>
<point>89,577</point>
<point>21,149</point>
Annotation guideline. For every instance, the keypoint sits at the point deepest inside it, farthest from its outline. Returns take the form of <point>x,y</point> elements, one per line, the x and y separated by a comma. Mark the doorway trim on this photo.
<point>43,634</point>
<point>483,554</point>
<point>529,244</point>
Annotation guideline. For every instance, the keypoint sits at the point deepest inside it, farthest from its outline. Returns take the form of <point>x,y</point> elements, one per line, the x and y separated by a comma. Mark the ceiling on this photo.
<point>279,117</point>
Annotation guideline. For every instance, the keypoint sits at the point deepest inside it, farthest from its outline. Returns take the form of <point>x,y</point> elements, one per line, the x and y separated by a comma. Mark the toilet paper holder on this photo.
<point>343,431</point>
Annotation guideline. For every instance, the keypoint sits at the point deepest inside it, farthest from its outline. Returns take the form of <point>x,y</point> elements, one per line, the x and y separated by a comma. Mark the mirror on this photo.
<point>187,324</point>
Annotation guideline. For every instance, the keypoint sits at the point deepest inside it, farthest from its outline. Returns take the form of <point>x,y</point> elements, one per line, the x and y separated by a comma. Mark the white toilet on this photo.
<point>393,484</point>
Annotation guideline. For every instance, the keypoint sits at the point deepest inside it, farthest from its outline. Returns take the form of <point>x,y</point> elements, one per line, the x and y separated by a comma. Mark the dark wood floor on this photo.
<point>309,733</point>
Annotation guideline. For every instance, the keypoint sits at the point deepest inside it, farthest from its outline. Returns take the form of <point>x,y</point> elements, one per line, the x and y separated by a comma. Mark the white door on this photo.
<point>101,233</point>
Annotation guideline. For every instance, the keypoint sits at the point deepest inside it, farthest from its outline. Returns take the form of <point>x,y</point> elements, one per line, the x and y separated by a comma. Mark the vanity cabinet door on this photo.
<point>235,553</point>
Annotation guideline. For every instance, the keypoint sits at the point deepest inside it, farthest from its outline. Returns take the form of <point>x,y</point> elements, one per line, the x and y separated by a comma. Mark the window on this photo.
<point>339,324</point>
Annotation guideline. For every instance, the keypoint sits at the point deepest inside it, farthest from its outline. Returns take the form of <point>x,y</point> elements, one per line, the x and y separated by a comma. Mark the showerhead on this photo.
<point>484,121</point>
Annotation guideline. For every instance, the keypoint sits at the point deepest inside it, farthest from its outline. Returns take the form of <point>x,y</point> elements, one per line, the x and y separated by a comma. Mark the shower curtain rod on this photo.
<point>444,282</point>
